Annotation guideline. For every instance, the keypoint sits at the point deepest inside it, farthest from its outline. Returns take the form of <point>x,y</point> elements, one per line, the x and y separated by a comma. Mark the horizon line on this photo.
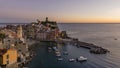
<point>69,23</point>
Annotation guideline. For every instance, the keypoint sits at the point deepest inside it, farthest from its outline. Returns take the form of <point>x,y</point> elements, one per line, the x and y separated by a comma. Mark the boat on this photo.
<point>71,60</point>
<point>55,48</point>
<point>49,48</point>
<point>60,59</point>
<point>81,58</point>
<point>57,53</point>
<point>65,53</point>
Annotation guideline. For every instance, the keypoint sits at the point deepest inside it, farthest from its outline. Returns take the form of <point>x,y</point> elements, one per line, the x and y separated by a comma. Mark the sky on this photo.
<point>63,11</point>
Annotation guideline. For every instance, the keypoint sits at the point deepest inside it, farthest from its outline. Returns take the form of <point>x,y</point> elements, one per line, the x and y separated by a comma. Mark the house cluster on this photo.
<point>12,45</point>
<point>43,30</point>
<point>48,31</point>
<point>13,39</point>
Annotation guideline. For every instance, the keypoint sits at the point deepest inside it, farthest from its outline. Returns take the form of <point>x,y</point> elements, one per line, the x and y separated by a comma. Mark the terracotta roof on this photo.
<point>2,51</point>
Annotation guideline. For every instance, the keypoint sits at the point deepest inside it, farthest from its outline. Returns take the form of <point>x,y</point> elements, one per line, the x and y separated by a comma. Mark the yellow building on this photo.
<point>8,56</point>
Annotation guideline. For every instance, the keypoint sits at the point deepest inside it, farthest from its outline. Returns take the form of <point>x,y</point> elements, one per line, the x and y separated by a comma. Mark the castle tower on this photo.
<point>46,19</point>
<point>19,31</point>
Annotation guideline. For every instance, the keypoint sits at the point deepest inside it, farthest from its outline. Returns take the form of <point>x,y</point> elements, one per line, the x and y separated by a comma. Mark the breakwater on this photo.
<point>92,47</point>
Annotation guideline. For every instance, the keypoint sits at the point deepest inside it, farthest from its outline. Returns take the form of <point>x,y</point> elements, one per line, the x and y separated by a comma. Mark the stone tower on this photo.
<point>46,19</point>
<point>19,31</point>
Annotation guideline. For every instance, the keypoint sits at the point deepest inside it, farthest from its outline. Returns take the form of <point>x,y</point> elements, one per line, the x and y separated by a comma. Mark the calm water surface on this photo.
<point>99,34</point>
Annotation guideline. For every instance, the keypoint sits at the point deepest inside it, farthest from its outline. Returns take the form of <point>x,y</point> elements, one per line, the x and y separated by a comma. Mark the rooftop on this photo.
<point>2,51</point>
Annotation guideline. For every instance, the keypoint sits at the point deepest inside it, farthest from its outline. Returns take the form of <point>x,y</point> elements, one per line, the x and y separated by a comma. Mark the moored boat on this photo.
<point>57,53</point>
<point>71,60</point>
<point>65,53</point>
<point>60,59</point>
<point>81,58</point>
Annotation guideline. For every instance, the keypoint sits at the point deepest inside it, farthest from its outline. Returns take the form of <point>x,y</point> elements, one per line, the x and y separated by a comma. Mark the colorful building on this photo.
<point>8,57</point>
<point>30,31</point>
<point>41,35</point>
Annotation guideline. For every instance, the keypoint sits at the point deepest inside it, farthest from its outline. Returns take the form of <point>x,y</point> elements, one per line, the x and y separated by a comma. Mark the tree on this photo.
<point>2,36</point>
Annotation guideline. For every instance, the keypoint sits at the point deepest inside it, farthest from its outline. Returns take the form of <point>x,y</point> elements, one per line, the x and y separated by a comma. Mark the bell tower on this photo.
<point>46,19</point>
<point>19,31</point>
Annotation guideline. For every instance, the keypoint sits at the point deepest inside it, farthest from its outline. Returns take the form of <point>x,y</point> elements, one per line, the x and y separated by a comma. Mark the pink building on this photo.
<point>46,36</point>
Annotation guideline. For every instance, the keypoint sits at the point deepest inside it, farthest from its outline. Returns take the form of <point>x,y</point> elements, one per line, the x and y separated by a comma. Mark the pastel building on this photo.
<point>8,57</point>
<point>7,42</point>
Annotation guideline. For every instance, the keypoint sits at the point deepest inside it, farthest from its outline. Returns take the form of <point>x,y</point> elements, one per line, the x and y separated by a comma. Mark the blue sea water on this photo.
<point>100,34</point>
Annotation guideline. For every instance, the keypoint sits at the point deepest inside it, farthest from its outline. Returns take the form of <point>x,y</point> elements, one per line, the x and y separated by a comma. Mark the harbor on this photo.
<point>23,39</point>
<point>92,47</point>
<point>44,56</point>
<point>59,33</point>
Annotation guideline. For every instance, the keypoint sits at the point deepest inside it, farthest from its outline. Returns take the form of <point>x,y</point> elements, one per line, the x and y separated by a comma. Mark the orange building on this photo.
<point>8,56</point>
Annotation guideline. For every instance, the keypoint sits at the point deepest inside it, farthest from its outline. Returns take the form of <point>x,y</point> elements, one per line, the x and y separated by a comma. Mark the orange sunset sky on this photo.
<point>62,11</point>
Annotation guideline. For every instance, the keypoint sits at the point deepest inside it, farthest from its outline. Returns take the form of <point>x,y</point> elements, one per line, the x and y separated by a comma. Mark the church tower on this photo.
<point>19,32</point>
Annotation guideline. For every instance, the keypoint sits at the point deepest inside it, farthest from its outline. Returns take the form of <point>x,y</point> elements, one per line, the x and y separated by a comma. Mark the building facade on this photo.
<point>8,57</point>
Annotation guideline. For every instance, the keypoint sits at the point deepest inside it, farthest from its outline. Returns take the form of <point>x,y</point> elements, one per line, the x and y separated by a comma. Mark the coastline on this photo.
<point>49,34</point>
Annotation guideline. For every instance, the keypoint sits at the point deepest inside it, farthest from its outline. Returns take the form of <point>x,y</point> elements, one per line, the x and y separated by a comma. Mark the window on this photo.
<point>7,62</point>
<point>8,40</point>
<point>7,56</point>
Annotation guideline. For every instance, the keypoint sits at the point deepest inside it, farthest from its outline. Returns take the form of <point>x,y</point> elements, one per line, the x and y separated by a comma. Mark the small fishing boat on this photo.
<point>49,48</point>
<point>71,60</point>
<point>60,59</point>
<point>81,58</point>
<point>57,53</point>
<point>65,53</point>
<point>55,48</point>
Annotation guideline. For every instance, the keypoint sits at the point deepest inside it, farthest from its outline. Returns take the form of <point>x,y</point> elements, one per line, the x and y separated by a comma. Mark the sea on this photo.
<point>104,35</point>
